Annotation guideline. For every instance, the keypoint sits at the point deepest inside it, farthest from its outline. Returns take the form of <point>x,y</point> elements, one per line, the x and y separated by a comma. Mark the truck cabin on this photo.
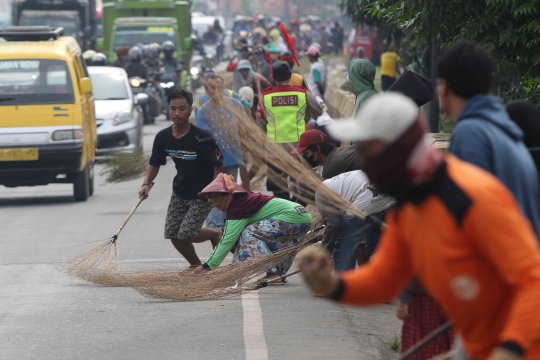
<point>68,20</point>
<point>144,30</point>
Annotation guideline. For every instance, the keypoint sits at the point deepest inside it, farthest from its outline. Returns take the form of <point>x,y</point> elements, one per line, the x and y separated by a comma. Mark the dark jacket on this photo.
<point>137,69</point>
<point>485,136</point>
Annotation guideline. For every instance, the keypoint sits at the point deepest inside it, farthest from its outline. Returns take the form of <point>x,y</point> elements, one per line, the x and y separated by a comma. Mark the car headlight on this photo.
<point>135,82</point>
<point>194,71</point>
<point>243,33</point>
<point>65,135</point>
<point>122,117</point>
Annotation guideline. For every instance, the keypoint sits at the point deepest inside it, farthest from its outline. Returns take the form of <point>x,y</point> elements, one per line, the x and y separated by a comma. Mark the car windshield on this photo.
<point>109,87</point>
<point>35,81</point>
<point>71,26</point>
<point>132,35</point>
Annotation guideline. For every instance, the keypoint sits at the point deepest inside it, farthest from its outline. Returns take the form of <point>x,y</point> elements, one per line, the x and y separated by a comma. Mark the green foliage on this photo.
<point>510,29</point>
<point>394,343</point>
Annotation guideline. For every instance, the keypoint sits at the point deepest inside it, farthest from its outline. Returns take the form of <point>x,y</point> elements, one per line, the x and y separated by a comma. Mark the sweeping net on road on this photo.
<point>174,284</point>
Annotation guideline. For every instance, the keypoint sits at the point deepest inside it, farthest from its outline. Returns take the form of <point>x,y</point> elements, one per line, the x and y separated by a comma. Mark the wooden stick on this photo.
<point>426,340</point>
<point>131,214</point>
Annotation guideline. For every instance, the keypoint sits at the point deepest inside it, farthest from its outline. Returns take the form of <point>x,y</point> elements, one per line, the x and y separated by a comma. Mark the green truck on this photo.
<point>147,21</point>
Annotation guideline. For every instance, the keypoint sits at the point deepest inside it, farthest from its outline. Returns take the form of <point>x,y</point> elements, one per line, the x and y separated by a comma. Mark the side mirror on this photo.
<point>141,98</point>
<point>85,85</point>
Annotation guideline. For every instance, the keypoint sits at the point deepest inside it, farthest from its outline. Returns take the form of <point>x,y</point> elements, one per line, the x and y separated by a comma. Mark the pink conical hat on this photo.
<point>223,183</point>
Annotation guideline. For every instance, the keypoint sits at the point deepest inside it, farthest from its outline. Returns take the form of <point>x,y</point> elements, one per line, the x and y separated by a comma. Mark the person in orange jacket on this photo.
<point>455,226</point>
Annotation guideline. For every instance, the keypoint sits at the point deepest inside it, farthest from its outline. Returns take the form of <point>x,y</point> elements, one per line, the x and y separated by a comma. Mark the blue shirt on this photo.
<point>228,93</point>
<point>485,136</point>
<point>222,122</point>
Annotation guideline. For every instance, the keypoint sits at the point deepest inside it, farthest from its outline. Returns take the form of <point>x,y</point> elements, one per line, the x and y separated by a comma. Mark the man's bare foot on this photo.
<point>217,237</point>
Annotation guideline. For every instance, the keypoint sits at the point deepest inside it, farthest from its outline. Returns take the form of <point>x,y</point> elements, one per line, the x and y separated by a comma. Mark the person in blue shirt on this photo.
<point>483,133</point>
<point>220,117</point>
<point>226,92</point>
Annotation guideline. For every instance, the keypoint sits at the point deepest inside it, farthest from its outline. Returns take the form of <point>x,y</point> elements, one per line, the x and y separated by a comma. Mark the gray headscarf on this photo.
<point>238,80</point>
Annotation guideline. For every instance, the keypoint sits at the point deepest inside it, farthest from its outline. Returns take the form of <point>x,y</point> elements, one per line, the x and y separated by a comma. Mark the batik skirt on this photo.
<point>269,235</point>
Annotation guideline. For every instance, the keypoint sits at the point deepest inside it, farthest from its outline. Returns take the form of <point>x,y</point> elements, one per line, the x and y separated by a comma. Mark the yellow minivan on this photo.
<point>47,116</point>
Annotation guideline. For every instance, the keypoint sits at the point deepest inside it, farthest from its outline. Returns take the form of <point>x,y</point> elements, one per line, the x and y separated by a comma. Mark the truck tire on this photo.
<point>81,185</point>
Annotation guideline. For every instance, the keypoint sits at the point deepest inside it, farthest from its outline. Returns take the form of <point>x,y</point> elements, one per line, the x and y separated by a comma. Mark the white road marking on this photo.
<point>254,341</point>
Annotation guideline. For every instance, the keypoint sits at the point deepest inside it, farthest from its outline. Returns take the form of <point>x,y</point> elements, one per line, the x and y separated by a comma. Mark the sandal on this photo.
<point>269,277</point>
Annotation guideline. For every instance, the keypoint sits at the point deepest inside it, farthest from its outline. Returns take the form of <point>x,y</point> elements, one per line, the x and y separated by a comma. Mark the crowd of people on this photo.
<point>461,242</point>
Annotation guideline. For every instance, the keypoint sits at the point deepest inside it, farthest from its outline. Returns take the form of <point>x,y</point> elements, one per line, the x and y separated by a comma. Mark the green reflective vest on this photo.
<point>285,107</point>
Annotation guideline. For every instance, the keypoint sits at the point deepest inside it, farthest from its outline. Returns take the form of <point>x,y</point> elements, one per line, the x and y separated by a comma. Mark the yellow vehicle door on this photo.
<point>88,107</point>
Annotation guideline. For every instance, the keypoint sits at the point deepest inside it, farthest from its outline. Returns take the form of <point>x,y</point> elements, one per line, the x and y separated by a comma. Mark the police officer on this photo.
<point>282,110</point>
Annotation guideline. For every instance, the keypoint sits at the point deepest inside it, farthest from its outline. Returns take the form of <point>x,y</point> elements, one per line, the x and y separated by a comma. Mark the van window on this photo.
<point>35,81</point>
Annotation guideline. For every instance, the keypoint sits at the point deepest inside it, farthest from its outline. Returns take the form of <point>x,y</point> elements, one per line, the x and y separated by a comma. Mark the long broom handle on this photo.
<point>426,340</point>
<point>131,214</point>
<point>283,277</point>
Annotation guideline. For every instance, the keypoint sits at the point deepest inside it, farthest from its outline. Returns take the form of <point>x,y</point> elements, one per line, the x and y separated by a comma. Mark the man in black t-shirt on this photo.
<point>198,160</point>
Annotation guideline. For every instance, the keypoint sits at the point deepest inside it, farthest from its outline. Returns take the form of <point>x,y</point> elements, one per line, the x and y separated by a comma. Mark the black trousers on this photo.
<point>387,81</point>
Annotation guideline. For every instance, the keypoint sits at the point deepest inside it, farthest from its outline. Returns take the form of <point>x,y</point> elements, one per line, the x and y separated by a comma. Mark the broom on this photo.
<point>100,263</point>
<point>222,282</point>
<point>125,166</point>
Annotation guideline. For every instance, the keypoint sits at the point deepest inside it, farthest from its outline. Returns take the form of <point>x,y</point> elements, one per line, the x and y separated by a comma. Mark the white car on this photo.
<point>118,114</point>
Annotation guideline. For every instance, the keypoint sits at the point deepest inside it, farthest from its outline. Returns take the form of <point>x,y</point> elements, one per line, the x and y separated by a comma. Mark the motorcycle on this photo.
<point>210,53</point>
<point>169,83</point>
<point>198,68</point>
<point>152,108</point>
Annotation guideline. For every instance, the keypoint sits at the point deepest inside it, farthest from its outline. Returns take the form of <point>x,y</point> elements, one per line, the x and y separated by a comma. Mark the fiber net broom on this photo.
<point>222,282</point>
<point>100,264</point>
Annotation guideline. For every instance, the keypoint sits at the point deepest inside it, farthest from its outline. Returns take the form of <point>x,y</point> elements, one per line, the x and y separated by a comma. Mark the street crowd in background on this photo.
<point>462,238</point>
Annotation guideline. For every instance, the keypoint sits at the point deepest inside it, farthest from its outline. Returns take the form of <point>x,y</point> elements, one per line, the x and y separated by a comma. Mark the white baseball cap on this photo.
<point>383,117</point>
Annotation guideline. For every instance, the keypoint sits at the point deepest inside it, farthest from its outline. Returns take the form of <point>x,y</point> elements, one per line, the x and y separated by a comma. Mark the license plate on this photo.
<point>21,154</point>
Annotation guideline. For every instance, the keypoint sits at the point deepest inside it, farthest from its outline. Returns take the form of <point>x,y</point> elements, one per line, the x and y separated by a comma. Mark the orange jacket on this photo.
<point>468,242</point>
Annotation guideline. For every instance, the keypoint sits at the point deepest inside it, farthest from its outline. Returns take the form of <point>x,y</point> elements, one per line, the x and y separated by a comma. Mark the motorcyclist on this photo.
<point>153,62</point>
<point>211,36</point>
<point>168,48</point>
<point>135,66</point>
<point>122,58</point>
<point>196,44</point>
<point>99,59</point>
<point>217,27</point>
<point>157,69</point>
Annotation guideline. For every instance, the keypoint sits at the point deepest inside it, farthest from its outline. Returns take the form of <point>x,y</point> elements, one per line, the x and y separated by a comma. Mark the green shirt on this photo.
<point>276,208</point>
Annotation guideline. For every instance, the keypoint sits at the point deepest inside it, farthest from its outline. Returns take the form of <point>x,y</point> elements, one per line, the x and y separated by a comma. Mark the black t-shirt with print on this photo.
<point>194,155</point>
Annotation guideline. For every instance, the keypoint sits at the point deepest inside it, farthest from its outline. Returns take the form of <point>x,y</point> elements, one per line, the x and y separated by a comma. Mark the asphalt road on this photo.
<point>45,314</point>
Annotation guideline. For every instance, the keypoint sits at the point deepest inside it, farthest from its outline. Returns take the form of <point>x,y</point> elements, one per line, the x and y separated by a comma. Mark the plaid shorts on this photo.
<point>185,218</point>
